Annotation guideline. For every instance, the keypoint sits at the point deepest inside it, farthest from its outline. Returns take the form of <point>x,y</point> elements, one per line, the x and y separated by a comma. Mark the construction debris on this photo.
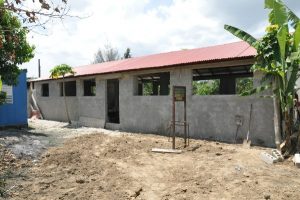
<point>277,154</point>
<point>267,158</point>
<point>137,192</point>
<point>296,160</point>
<point>157,150</point>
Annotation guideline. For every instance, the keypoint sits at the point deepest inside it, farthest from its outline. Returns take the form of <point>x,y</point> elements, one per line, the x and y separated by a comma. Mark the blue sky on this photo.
<point>145,26</point>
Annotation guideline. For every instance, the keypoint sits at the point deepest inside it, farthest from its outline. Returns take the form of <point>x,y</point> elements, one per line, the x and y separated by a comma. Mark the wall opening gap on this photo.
<point>113,113</point>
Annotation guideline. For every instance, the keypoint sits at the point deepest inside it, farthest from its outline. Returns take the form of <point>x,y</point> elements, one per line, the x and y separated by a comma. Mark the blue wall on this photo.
<point>16,114</point>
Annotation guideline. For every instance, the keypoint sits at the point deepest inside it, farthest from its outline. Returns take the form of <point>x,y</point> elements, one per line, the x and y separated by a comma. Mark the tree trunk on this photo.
<point>288,148</point>
<point>65,99</point>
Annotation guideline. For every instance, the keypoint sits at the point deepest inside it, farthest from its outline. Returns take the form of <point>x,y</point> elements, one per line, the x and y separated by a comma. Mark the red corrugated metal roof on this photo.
<point>216,53</point>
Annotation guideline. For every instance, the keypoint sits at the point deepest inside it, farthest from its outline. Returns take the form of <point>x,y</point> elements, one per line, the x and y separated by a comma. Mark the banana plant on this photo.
<point>278,57</point>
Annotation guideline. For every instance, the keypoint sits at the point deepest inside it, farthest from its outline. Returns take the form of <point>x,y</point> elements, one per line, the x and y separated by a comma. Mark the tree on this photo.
<point>107,54</point>
<point>127,54</point>
<point>14,48</point>
<point>61,71</point>
<point>278,57</point>
<point>35,13</point>
<point>206,87</point>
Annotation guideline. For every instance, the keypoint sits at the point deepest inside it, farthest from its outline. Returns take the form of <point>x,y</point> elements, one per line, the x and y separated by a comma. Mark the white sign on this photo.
<point>9,93</point>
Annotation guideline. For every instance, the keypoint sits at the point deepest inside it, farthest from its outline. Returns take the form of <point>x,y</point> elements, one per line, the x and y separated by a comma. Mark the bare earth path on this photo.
<point>122,166</point>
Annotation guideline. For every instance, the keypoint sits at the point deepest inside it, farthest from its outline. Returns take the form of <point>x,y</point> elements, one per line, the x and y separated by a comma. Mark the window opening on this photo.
<point>70,88</point>
<point>154,84</point>
<point>89,87</point>
<point>45,90</point>
<point>223,81</point>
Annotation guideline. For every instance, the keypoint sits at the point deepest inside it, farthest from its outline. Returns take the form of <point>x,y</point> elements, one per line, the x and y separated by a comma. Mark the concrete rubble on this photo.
<point>296,160</point>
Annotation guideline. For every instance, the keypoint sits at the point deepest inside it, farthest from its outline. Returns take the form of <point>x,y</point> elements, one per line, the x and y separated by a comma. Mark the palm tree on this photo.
<point>61,71</point>
<point>278,57</point>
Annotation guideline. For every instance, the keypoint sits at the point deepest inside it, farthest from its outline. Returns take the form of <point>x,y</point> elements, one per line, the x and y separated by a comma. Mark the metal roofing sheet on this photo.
<point>234,50</point>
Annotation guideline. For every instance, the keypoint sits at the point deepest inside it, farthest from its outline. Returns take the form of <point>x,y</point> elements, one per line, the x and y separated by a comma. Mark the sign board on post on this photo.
<point>179,93</point>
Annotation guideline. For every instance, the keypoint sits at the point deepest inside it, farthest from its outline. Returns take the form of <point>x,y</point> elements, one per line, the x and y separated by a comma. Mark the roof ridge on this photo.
<point>210,46</point>
<point>163,53</point>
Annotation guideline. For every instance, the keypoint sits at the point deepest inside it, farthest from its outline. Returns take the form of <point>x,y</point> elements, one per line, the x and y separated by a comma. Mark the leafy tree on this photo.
<point>278,57</point>
<point>109,53</point>
<point>14,49</point>
<point>244,85</point>
<point>127,54</point>
<point>148,89</point>
<point>205,87</point>
<point>61,71</point>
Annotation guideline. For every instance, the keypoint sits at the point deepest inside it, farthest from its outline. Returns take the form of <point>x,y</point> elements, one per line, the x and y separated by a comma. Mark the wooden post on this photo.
<point>185,133</point>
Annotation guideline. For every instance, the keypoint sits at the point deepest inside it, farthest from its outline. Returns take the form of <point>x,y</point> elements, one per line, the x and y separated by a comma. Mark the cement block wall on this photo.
<point>53,107</point>
<point>210,117</point>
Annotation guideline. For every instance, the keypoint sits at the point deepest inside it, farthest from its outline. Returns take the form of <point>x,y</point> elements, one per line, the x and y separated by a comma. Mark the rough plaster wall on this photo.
<point>148,114</point>
<point>211,117</point>
<point>53,107</point>
<point>92,106</point>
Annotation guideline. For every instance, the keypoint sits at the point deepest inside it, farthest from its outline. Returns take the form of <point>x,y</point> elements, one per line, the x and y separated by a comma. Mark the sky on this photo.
<point>144,26</point>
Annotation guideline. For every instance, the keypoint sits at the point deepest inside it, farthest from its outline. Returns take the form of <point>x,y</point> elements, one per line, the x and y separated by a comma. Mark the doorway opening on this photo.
<point>113,114</point>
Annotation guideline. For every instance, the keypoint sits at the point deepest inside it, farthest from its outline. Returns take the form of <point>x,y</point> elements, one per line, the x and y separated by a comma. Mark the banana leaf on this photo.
<point>241,34</point>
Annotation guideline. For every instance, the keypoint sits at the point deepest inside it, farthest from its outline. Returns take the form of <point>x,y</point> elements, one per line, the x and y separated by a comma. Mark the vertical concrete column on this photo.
<point>182,77</point>
<point>100,88</point>
<point>79,88</point>
<point>54,89</point>
<point>155,88</point>
<point>257,76</point>
<point>101,97</point>
<point>137,88</point>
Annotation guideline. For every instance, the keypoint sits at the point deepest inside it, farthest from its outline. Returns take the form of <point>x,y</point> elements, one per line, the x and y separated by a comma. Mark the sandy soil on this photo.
<point>122,166</point>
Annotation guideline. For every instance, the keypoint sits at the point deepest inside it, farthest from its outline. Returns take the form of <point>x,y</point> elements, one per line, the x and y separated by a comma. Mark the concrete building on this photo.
<point>135,94</point>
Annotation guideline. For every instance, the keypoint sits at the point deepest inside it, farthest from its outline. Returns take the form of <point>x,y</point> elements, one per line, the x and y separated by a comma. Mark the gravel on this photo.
<point>31,142</point>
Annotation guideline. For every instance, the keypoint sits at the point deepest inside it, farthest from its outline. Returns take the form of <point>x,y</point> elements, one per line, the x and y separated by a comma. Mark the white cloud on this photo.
<point>146,26</point>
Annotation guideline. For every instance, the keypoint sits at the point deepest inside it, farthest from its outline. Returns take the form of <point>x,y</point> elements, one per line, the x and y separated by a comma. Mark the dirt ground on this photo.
<point>118,165</point>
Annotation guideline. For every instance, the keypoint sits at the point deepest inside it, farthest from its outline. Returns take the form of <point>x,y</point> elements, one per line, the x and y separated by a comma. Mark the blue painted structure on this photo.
<point>16,114</point>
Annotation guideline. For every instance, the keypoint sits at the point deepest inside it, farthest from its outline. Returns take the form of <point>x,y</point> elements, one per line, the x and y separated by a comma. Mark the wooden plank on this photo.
<point>158,150</point>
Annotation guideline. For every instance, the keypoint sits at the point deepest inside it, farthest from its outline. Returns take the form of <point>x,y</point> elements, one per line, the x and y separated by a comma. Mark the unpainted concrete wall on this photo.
<point>210,117</point>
